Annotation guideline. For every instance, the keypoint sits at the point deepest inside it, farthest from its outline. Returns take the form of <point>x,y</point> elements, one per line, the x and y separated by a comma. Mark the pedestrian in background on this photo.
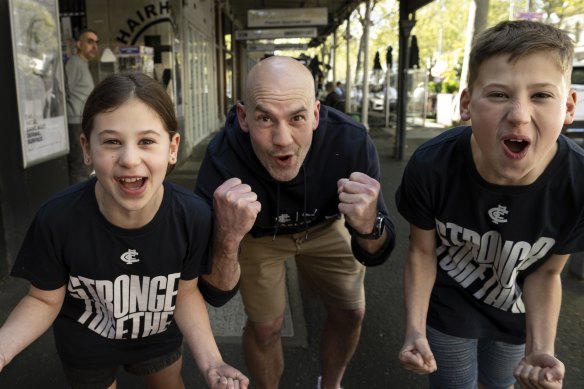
<point>114,261</point>
<point>78,85</point>
<point>314,173</point>
<point>495,209</point>
<point>340,90</point>
<point>332,98</point>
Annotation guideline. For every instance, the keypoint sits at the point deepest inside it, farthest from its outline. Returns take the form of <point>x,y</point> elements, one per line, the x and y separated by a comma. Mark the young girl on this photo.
<point>113,261</point>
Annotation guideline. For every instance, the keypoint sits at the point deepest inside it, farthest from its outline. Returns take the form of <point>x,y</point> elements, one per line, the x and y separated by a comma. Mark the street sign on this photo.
<point>280,17</point>
<point>270,48</point>
<point>530,16</point>
<point>275,33</point>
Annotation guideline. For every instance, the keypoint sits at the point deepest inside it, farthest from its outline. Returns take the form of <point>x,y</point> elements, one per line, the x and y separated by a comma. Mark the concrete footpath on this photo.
<point>375,362</point>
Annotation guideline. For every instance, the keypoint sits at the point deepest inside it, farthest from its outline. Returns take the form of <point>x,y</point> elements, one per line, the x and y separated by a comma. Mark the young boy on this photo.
<point>114,261</point>
<point>495,209</point>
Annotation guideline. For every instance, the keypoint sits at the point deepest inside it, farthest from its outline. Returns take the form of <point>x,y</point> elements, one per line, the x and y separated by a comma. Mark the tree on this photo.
<point>360,14</point>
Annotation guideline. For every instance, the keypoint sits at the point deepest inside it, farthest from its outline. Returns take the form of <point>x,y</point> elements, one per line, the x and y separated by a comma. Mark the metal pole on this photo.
<point>348,85</point>
<point>387,104</point>
<point>365,83</point>
<point>405,28</point>
<point>334,56</point>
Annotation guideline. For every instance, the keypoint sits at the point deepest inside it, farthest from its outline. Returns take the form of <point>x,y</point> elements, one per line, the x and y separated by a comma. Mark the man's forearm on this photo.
<point>373,246</point>
<point>225,270</point>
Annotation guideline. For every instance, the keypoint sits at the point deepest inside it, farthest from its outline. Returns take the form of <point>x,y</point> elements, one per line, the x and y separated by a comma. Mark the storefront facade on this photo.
<point>189,54</point>
<point>190,46</point>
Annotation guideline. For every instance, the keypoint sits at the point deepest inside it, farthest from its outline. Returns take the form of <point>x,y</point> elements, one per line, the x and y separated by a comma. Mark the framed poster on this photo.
<point>38,68</point>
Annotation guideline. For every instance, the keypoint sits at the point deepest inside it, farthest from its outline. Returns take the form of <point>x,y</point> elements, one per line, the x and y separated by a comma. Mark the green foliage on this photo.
<point>440,28</point>
<point>434,87</point>
<point>450,85</point>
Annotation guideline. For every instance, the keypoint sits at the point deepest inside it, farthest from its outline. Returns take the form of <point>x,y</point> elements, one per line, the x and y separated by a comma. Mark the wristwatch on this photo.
<point>378,228</point>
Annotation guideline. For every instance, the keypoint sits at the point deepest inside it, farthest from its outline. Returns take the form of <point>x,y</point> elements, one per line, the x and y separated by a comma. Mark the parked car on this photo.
<point>376,97</point>
<point>576,129</point>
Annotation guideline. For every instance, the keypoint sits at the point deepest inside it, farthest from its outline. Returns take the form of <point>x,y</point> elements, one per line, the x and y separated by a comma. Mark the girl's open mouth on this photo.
<point>132,183</point>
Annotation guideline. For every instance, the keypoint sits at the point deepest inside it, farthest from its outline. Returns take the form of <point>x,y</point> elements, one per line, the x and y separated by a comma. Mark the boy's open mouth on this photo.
<point>132,183</point>
<point>516,146</point>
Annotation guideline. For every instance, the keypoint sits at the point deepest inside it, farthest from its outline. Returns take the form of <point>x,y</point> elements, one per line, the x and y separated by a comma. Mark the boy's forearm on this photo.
<point>419,278</point>
<point>192,319</point>
<point>542,296</point>
<point>28,321</point>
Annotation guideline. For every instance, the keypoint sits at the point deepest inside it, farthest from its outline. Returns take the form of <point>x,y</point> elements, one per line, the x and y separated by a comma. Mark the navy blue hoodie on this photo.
<point>340,146</point>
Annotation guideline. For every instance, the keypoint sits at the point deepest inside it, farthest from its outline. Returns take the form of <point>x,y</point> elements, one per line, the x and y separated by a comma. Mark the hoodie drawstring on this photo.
<point>277,212</point>
<point>305,196</point>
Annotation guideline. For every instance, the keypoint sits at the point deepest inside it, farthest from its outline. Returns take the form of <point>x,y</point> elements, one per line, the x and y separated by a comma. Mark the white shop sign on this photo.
<point>273,47</point>
<point>275,33</point>
<point>279,17</point>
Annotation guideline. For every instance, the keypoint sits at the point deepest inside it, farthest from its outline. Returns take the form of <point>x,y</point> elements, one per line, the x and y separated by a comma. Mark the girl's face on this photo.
<point>130,151</point>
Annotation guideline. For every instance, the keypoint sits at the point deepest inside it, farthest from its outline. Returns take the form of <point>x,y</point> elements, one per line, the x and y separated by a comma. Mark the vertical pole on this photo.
<point>387,103</point>
<point>334,56</point>
<point>365,83</point>
<point>348,84</point>
<point>405,27</point>
<point>220,60</point>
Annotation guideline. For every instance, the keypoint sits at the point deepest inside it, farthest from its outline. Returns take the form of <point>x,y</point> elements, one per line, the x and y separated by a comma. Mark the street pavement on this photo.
<point>375,362</point>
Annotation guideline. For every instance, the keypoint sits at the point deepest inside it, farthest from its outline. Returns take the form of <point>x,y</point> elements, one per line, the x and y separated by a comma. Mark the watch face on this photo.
<point>378,231</point>
<point>378,228</point>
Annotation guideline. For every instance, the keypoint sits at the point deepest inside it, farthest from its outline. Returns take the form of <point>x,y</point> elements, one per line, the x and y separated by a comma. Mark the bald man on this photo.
<point>288,177</point>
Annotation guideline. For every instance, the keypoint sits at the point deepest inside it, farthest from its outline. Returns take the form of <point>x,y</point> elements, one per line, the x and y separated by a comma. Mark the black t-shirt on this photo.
<point>489,237</point>
<point>121,283</point>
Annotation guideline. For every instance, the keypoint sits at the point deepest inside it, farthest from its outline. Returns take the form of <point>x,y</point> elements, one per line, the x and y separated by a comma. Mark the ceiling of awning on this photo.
<point>338,11</point>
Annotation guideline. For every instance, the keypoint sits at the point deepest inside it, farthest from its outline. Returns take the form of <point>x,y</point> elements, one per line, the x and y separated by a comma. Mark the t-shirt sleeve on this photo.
<point>414,195</point>
<point>39,260</point>
<point>574,241</point>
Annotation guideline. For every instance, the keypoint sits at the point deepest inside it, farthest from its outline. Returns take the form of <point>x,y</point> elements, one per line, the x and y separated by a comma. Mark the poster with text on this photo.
<point>39,79</point>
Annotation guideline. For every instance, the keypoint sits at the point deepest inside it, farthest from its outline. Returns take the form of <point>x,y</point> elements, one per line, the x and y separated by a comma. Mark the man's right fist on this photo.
<point>236,208</point>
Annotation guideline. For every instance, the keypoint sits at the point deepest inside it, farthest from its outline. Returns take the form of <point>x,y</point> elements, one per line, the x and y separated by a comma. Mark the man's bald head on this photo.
<point>280,115</point>
<point>278,73</point>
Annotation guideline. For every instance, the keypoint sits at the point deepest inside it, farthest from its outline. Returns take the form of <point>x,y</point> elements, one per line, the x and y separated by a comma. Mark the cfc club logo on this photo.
<point>497,214</point>
<point>129,257</point>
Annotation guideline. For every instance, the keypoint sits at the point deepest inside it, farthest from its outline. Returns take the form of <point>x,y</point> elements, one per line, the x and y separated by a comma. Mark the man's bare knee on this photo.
<point>347,318</point>
<point>265,333</point>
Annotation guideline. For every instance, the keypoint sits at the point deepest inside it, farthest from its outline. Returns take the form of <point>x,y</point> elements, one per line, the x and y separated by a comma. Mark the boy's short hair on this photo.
<point>517,39</point>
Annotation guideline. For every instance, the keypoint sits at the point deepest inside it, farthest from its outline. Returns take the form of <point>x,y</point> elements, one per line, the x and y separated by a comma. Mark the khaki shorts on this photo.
<point>325,263</point>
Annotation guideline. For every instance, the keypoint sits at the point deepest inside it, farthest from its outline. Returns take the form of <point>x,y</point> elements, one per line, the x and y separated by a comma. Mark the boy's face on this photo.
<point>517,110</point>
<point>130,150</point>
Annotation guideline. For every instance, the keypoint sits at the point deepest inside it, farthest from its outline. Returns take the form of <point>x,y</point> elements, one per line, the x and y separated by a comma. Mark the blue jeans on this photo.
<point>462,363</point>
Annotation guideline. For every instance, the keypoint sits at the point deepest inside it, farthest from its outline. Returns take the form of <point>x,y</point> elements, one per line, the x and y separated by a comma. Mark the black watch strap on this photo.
<point>377,232</point>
